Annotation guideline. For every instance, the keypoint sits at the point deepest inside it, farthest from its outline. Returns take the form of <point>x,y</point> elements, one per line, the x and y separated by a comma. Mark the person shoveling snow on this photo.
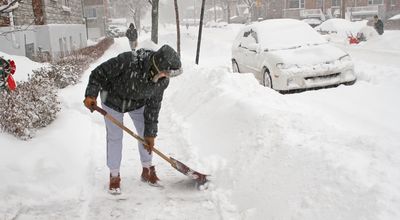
<point>133,83</point>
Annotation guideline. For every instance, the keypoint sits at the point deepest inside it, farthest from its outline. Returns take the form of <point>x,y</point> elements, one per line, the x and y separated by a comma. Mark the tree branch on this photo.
<point>9,5</point>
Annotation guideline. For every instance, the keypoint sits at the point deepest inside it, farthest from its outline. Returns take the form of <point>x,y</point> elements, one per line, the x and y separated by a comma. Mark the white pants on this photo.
<point>114,139</point>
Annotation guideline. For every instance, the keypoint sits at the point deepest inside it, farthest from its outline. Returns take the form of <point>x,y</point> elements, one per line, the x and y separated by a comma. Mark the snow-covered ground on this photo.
<point>324,154</point>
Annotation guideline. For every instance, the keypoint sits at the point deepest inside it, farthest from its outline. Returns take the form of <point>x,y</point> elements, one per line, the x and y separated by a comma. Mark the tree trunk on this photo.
<point>154,21</point>
<point>200,31</point>
<point>178,30</point>
<point>229,12</point>
<point>38,12</point>
<point>343,9</point>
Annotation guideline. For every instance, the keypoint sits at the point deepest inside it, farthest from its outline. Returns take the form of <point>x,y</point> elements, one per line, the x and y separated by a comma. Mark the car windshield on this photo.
<point>278,34</point>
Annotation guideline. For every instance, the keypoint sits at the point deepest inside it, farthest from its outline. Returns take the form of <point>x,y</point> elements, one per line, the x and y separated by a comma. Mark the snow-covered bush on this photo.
<point>68,70</point>
<point>31,106</point>
<point>34,103</point>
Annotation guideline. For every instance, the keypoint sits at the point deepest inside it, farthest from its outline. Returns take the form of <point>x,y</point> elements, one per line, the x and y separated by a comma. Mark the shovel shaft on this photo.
<point>137,137</point>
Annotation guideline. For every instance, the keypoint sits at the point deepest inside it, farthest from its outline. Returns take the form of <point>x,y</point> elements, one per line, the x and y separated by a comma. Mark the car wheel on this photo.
<point>235,66</point>
<point>267,82</point>
<point>350,83</point>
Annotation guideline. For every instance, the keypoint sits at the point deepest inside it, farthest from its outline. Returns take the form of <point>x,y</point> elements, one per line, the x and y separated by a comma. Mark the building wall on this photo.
<point>279,8</point>
<point>96,25</point>
<point>24,14</point>
<point>14,42</point>
<point>62,23</point>
<point>72,36</point>
<point>56,12</point>
<point>274,8</point>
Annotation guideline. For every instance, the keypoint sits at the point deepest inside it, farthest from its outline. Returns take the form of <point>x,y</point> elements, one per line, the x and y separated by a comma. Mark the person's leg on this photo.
<point>114,141</point>
<point>148,170</point>
<point>138,121</point>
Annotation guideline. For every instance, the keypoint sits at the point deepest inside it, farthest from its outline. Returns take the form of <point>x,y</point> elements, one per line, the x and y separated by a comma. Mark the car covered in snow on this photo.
<point>288,54</point>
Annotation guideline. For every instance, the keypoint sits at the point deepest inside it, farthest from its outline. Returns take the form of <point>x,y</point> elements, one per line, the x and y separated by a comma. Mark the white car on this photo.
<point>288,54</point>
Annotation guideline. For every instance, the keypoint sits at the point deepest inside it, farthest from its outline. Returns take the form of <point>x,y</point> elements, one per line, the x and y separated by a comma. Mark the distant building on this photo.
<point>354,9</point>
<point>52,28</point>
<point>95,15</point>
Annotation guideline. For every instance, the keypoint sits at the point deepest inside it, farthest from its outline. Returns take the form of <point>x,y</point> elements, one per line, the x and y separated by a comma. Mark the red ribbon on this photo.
<point>11,83</point>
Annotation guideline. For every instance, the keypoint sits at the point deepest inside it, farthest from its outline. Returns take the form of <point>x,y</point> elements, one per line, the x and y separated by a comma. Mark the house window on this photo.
<point>393,2</point>
<point>296,3</point>
<point>336,3</point>
<point>60,41</point>
<point>80,41</point>
<point>91,13</point>
<point>65,46</point>
<point>71,44</point>
<point>375,2</point>
<point>66,2</point>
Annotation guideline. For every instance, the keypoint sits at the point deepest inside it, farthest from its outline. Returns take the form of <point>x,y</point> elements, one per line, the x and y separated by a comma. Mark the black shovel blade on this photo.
<point>198,177</point>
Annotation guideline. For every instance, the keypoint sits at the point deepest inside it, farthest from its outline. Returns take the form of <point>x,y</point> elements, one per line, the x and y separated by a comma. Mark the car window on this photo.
<point>254,35</point>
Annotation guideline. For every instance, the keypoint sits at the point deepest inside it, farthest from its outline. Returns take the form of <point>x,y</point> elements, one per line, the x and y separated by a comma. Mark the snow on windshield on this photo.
<point>286,33</point>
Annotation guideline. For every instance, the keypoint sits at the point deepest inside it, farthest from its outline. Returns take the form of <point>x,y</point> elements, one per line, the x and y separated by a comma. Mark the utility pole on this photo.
<point>200,31</point>
<point>215,11</point>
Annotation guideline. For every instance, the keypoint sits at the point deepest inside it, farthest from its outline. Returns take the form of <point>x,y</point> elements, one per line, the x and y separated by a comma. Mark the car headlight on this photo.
<point>345,58</point>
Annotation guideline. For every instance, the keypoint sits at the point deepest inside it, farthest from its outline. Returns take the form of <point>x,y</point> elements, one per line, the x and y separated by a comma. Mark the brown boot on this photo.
<point>149,175</point>
<point>114,187</point>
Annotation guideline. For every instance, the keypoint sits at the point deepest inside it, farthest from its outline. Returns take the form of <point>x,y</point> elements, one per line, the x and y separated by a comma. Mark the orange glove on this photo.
<point>90,102</point>
<point>150,143</point>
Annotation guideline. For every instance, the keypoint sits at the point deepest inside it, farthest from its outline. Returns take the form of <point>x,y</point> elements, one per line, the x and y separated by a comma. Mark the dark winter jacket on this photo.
<point>125,84</point>
<point>379,26</point>
<point>131,33</point>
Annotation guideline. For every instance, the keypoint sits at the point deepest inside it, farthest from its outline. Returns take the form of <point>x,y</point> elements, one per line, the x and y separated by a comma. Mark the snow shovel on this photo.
<point>198,177</point>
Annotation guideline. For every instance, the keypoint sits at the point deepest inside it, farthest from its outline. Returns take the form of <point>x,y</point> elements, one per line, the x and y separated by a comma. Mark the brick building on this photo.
<point>36,27</point>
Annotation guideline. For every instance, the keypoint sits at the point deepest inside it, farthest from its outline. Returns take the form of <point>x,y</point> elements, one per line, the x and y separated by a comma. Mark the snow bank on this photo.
<point>272,157</point>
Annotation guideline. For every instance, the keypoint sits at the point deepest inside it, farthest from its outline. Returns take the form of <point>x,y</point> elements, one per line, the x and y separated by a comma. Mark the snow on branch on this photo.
<point>9,7</point>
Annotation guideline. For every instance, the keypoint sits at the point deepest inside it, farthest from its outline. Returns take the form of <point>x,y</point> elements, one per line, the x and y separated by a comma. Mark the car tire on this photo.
<point>350,83</point>
<point>267,81</point>
<point>235,66</point>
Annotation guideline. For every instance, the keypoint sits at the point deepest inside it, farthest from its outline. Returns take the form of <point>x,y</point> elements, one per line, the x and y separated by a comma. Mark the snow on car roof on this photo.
<point>341,26</point>
<point>275,34</point>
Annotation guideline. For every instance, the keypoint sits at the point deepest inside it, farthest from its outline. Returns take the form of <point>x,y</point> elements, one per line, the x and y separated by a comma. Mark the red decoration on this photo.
<point>11,83</point>
<point>13,67</point>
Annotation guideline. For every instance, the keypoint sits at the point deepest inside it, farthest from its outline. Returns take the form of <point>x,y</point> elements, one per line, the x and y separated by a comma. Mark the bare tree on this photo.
<point>154,20</point>
<point>250,4</point>
<point>178,30</point>
<point>10,6</point>
<point>136,8</point>
<point>343,9</point>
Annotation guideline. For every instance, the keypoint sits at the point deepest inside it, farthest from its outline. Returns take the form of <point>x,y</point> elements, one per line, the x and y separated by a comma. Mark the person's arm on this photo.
<point>151,112</point>
<point>135,35</point>
<point>103,73</point>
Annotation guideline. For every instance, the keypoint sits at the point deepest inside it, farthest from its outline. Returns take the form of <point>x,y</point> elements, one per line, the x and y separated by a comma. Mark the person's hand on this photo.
<point>150,143</point>
<point>90,102</point>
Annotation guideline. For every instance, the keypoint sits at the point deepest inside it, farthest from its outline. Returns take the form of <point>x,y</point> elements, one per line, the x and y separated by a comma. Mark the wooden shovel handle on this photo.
<point>137,137</point>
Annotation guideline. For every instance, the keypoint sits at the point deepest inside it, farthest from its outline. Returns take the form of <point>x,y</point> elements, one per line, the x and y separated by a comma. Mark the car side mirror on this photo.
<point>254,48</point>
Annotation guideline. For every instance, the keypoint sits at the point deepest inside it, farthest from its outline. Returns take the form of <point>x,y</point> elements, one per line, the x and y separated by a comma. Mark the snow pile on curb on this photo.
<point>273,158</point>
